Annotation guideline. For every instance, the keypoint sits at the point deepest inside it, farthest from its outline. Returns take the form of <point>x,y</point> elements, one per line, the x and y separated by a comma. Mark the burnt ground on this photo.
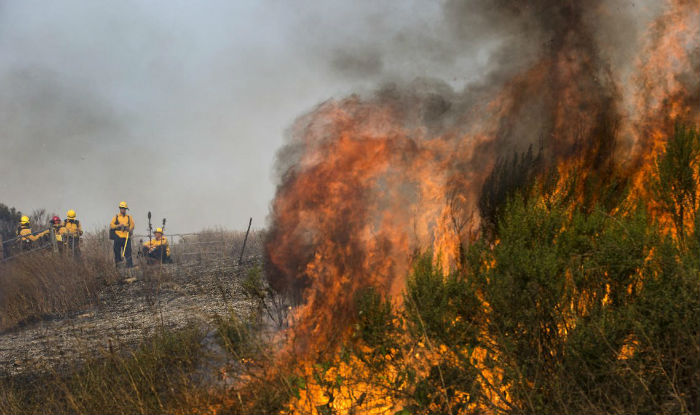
<point>127,312</point>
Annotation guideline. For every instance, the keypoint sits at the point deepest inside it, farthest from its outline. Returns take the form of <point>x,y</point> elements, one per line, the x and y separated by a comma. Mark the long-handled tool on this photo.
<point>142,250</point>
<point>150,228</point>
<point>128,232</point>
<point>161,243</point>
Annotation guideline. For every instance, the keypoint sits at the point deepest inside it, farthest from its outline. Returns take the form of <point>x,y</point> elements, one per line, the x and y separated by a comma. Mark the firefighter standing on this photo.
<point>121,227</point>
<point>24,230</point>
<point>28,239</point>
<point>157,250</point>
<point>72,233</point>
<point>57,231</point>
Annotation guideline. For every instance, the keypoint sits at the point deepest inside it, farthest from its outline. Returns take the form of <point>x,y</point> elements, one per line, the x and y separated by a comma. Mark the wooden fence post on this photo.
<point>240,259</point>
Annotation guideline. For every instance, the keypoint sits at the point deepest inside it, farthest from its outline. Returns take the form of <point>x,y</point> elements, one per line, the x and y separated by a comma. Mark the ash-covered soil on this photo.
<point>145,299</point>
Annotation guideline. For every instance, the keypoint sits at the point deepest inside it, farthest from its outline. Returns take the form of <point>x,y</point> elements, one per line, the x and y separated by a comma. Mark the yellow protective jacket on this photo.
<point>119,220</point>
<point>59,231</point>
<point>155,243</point>
<point>26,233</point>
<point>72,227</point>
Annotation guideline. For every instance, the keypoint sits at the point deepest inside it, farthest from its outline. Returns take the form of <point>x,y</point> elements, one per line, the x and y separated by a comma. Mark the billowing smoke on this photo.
<point>367,180</point>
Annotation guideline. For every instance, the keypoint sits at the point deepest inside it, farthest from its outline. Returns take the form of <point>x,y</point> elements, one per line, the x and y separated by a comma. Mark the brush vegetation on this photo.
<point>169,371</point>
<point>561,307</point>
<point>44,284</point>
<point>157,377</point>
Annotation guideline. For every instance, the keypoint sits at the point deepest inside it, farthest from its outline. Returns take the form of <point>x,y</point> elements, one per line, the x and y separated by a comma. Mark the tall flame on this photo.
<point>368,181</point>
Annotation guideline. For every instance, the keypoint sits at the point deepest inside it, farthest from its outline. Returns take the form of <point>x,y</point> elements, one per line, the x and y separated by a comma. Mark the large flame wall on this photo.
<point>367,181</point>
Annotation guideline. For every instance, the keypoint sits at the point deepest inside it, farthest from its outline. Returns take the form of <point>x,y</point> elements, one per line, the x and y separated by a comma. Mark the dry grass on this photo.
<point>169,372</point>
<point>44,283</point>
<point>158,377</point>
<point>218,368</point>
<point>215,244</point>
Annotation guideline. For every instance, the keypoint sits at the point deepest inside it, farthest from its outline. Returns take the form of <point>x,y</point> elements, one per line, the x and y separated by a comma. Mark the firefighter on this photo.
<point>56,225</point>
<point>120,229</point>
<point>57,230</point>
<point>72,233</point>
<point>157,250</point>
<point>24,230</point>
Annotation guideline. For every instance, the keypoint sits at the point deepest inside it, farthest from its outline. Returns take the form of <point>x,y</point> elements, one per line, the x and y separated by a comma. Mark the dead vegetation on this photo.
<point>154,378</point>
<point>214,243</point>
<point>84,336</point>
<point>44,284</point>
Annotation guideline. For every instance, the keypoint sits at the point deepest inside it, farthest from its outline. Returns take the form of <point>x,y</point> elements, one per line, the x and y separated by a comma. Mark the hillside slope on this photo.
<point>127,312</point>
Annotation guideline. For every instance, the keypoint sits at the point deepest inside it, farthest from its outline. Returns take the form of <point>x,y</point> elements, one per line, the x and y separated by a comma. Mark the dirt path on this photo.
<point>127,312</point>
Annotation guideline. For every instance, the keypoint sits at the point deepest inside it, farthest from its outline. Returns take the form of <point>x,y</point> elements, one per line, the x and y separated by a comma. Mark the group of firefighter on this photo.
<point>65,236</point>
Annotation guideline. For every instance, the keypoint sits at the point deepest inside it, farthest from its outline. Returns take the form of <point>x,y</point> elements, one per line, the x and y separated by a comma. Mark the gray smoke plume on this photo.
<point>351,205</point>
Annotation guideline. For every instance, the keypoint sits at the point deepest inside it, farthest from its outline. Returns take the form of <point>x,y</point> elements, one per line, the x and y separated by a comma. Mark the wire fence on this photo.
<point>23,245</point>
<point>186,248</point>
<point>46,239</point>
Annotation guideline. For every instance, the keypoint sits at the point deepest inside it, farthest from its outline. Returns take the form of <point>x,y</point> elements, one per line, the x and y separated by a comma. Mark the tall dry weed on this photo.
<point>44,283</point>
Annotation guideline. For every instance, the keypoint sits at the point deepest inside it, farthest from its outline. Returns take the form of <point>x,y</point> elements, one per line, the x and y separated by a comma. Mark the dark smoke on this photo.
<point>357,65</point>
<point>555,83</point>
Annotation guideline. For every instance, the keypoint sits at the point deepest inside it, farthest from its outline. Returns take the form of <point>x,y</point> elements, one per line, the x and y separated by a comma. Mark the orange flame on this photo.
<point>368,182</point>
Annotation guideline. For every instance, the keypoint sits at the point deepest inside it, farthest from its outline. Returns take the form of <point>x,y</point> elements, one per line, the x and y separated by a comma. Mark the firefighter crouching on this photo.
<point>157,250</point>
<point>72,231</point>
<point>120,229</point>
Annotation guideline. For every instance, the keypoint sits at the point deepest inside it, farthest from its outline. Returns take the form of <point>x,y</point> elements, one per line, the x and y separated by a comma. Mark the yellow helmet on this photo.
<point>70,214</point>
<point>24,220</point>
<point>158,230</point>
<point>123,205</point>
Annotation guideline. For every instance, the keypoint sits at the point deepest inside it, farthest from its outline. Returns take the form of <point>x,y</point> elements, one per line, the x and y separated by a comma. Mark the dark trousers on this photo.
<point>158,255</point>
<point>118,246</point>
<point>72,245</point>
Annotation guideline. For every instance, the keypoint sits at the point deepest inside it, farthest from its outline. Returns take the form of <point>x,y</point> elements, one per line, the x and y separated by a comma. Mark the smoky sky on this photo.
<point>178,107</point>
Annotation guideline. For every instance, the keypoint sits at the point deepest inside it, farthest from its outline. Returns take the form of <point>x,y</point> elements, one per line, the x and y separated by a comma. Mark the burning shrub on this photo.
<point>567,310</point>
<point>675,186</point>
<point>443,308</point>
<point>375,321</point>
<point>507,177</point>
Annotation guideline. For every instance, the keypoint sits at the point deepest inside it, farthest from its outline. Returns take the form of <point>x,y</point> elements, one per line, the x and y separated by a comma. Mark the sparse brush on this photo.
<point>236,335</point>
<point>43,283</point>
<point>269,303</point>
<point>155,378</point>
<point>213,244</point>
<point>173,371</point>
